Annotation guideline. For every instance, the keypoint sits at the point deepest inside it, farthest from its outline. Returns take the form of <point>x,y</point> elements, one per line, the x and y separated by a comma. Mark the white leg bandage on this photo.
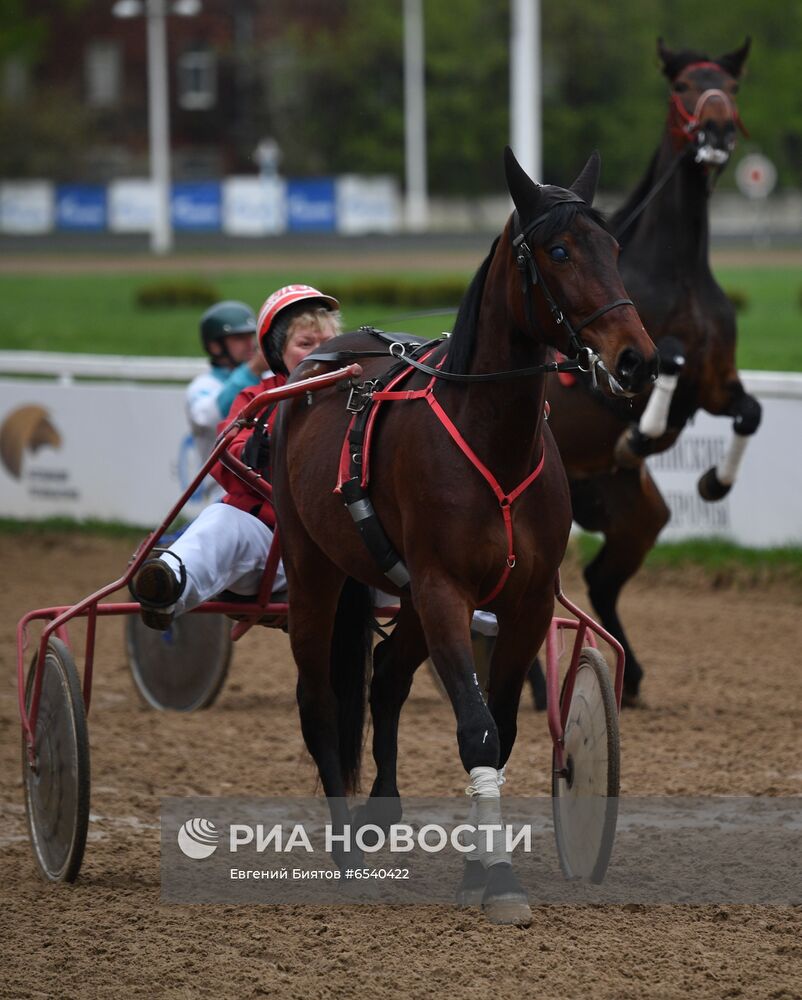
<point>485,815</point>
<point>727,469</point>
<point>655,416</point>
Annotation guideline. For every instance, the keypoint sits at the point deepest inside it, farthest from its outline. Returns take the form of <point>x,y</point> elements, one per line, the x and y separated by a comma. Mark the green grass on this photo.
<point>98,315</point>
<point>69,526</point>
<point>724,562</point>
<point>770,328</point>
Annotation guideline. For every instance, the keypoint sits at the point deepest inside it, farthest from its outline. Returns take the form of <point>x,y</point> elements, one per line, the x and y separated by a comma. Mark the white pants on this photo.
<point>224,548</point>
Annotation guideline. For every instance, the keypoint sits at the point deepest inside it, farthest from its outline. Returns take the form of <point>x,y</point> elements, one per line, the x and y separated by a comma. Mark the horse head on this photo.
<point>703,113</point>
<point>573,298</point>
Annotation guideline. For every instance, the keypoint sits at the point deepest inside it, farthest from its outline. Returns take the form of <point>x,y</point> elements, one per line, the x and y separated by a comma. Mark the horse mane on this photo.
<point>463,335</point>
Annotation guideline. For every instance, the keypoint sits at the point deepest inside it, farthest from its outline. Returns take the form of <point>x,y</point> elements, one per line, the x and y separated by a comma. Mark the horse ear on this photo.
<point>585,184</point>
<point>524,191</point>
<point>733,62</point>
<point>667,58</point>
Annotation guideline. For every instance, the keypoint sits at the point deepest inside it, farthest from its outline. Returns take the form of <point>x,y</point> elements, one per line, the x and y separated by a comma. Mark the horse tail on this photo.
<point>350,654</point>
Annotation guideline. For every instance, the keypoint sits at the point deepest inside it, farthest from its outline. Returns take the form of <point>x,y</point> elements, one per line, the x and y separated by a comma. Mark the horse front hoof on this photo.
<point>711,488</point>
<point>472,887</point>
<point>504,900</point>
<point>512,909</point>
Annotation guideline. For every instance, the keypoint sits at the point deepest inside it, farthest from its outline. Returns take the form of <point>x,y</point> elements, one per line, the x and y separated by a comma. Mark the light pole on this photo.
<point>525,98</point>
<point>417,207</point>
<point>156,11</point>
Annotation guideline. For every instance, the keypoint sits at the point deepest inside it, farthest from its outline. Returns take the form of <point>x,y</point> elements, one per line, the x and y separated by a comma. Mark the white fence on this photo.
<point>119,449</point>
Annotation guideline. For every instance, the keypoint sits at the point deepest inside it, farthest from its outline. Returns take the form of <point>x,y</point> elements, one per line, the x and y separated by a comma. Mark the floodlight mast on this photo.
<point>156,11</point>
<point>525,88</point>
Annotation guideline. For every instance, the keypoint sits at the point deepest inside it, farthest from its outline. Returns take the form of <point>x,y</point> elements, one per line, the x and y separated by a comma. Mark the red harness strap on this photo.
<point>505,500</point>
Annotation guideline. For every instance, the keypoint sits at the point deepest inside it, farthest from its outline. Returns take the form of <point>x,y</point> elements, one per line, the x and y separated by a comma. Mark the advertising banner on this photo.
<point>254,206</point>
<point>367,205</point>
<point>311,206</point>
<point>132,206</point>
<point>197,206</point>
<point>26,207</point>
<point>81,207</point>
<point>762,509</point>
<point>58,459</point>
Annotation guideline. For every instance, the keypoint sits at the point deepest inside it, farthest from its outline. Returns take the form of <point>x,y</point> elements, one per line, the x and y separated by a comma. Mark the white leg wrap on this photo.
<point>485,815</point>
<point>655,416</point>
<point>727,469</point>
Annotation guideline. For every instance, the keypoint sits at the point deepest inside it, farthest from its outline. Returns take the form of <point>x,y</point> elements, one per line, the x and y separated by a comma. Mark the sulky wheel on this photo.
<point>57,785</point>
<point>585,799</point>
<point>182,669</point>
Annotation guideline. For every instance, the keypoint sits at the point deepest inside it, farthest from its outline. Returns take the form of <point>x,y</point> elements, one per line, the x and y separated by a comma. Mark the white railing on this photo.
<point>120,367</point>
<point>98,436</point>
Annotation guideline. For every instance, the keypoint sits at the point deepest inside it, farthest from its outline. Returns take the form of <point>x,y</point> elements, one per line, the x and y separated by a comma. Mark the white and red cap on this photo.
<point>288,296</point>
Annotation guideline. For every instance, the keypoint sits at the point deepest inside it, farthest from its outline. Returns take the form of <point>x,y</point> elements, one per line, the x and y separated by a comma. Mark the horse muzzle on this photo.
<point>634,371</point>
<point>714,143</point>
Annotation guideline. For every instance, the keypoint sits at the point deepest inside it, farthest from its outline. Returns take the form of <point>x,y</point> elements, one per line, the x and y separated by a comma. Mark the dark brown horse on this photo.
<point>470,491</point>
<point>664,264</point>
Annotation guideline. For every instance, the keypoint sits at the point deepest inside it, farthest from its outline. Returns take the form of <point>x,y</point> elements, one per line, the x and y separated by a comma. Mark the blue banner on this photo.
<point>311,206</point>
<point>197,206</point>
<point>81,207</point>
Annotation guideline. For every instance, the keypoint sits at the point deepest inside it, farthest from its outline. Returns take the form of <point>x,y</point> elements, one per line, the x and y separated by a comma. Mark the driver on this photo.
<point>226,547</point>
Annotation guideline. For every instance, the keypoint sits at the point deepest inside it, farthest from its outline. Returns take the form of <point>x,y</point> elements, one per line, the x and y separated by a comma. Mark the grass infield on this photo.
<point>98,314</point>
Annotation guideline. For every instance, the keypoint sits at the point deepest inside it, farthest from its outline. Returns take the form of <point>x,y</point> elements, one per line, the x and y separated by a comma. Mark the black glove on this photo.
<point>256,453</point>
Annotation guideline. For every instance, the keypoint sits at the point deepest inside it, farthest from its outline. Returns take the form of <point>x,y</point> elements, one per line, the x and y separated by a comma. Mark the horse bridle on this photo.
<point>532,277</point>
<point>687,132</point>
<point>584,358</point>
<point>689,127</point>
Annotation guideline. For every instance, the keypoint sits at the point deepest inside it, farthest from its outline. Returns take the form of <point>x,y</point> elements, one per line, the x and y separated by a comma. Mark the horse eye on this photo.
<point>680,87</point>
<point>558,254</point>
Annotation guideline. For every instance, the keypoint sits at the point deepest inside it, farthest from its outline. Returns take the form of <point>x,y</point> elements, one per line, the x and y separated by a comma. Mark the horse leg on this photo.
<point>628,508</point>
<point>746,411</point>
<point>445,620</point>
<point>537,685</point>
<point>330,651</point>
<point>395,661</point>
<point>515,647</point>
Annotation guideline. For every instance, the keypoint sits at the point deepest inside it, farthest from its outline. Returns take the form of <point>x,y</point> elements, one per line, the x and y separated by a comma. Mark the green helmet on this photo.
<point>223,320</point>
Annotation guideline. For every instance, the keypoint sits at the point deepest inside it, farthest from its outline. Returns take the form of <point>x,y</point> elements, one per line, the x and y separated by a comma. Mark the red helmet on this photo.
<point>272,338</point>
<point>288,296</point>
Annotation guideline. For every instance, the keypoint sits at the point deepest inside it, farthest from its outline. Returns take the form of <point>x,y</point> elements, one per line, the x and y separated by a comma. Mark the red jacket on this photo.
<point>239,494</point>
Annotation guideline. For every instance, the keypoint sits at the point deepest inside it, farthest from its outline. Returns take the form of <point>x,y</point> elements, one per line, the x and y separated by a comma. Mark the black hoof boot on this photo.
<point>472,886</point>
<point>504,901</point>
<point>711,488</point>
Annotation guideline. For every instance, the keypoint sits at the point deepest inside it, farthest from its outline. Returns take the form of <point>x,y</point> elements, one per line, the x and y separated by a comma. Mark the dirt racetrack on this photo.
<point>724,706</point>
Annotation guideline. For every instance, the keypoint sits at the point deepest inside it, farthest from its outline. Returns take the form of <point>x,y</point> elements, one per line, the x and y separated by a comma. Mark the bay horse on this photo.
<point>460,537</point>
<point>664,234</point>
